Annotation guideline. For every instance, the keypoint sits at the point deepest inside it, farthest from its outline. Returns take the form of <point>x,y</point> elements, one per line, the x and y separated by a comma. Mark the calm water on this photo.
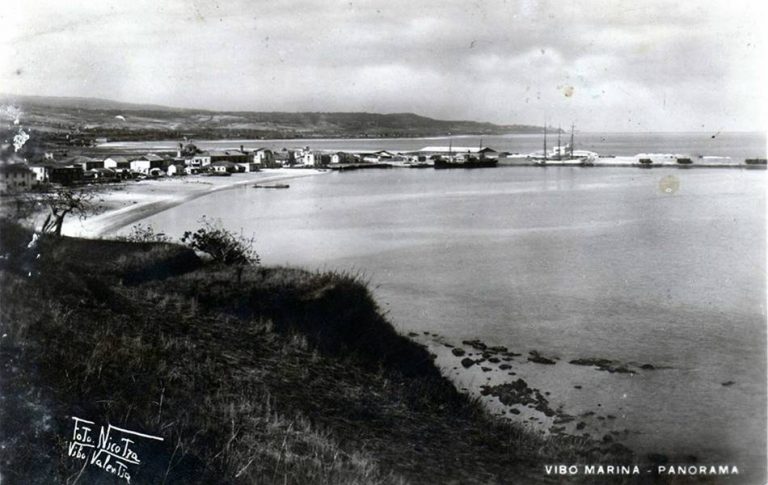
<point>736,145</point>
<point>572,262</point>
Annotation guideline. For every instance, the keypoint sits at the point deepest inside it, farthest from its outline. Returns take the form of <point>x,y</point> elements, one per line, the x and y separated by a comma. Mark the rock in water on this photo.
<point>538,359</point>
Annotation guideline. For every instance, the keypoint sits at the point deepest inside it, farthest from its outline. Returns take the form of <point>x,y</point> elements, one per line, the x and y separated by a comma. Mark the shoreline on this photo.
<point>130,205</point>
<point>329,392</point>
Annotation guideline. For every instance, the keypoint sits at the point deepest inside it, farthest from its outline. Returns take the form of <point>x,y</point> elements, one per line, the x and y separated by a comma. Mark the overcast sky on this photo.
<point>605,65</point>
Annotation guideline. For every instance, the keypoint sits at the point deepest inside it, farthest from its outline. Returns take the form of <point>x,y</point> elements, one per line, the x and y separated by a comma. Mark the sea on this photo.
<point>660,267</point>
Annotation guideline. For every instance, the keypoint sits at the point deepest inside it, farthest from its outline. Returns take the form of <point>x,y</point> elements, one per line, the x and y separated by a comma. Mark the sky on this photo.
<point>640,65</point>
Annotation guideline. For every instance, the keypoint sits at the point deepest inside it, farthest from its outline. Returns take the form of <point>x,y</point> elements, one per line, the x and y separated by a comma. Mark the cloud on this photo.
<point>502,61</point>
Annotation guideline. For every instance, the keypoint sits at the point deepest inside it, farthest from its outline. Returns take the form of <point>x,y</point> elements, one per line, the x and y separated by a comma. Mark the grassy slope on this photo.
<point>283,377</point>
<point>97,117</point>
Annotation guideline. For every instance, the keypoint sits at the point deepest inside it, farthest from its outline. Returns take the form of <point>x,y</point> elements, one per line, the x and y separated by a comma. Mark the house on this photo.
<point>149,164</point>
<point>284,158</point>
<point>15,177</point>
<point>225,167</point>
<point>234,156</point>
<point>344,157</point>
<point>264,157</point>
<point>176,169</point>
<point>65,175</point>
<point>416,158</point>
<point>305,156</point>
<point>247,166</point>
<point>199,160</point>
<point>381,156</point>
<point>102,174</point>
<point>191,156</point>
<point>310,158</point>
<point>42,170</point>
<point>117,162</point>
<point>120,164</point>
<point>85,163</point>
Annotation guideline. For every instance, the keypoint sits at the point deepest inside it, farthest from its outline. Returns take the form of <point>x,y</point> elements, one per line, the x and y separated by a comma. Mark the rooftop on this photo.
<point>14,168</point>
<point>456,149</point>
<point>118,158</point>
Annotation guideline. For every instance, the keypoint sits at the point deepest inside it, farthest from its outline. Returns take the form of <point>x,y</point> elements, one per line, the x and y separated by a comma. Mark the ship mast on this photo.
<point>545,141</point>
<point>571,140</point>
<point>559,147</point>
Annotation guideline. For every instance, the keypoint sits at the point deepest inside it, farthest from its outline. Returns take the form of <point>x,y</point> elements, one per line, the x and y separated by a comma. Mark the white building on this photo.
<point>117,162</point>
<point>305,156</point>
<point>40,171</point>
<point>264,157</point>
<point>344,157</point>
<point>149,164</point>
<point>377,157</point>
<point>199,160</point>
<point>226,167</point>
<point>175,169</point>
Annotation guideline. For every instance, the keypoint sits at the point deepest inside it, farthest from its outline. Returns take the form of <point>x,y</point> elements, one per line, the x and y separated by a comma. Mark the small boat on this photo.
<point>274,186</point>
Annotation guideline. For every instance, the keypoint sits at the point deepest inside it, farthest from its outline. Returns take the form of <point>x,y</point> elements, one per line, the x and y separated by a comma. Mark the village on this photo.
<point>191,160</point>
<point>52,168</point>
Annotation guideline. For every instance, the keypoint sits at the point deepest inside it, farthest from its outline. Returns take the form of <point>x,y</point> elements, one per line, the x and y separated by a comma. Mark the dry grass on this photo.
<point>284,377</point>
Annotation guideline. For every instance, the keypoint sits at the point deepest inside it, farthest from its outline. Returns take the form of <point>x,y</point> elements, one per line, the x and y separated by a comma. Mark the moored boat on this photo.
<point>273,186</point>
<point>469,162</point>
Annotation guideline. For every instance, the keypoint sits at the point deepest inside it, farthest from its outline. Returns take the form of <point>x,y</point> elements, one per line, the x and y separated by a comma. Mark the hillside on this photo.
<point>273,375</point>
<point>99,118</point>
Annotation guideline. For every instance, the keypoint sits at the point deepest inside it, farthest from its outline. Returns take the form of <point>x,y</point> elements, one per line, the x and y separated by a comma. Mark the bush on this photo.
<point>221,244</point>
<point>142,233</point>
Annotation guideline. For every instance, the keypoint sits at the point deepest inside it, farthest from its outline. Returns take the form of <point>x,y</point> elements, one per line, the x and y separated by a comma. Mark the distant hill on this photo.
<point>79,103</point>
<point>116,120</point>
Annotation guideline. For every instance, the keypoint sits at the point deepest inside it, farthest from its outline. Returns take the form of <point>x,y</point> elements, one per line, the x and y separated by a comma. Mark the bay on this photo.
<point>571,262</point>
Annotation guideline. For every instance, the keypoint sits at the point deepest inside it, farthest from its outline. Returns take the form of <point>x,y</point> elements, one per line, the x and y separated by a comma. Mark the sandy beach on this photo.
<point>133,201</point>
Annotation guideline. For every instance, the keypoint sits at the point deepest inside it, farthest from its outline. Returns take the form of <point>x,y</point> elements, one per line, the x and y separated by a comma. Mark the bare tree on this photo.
<point>62,202</point>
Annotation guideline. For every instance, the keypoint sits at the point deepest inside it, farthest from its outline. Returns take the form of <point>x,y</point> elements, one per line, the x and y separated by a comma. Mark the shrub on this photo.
<point>142,233</point>
<point>221,244</point>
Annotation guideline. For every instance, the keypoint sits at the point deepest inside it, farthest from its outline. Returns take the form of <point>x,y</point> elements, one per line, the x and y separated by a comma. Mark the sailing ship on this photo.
<point>565,154</point>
